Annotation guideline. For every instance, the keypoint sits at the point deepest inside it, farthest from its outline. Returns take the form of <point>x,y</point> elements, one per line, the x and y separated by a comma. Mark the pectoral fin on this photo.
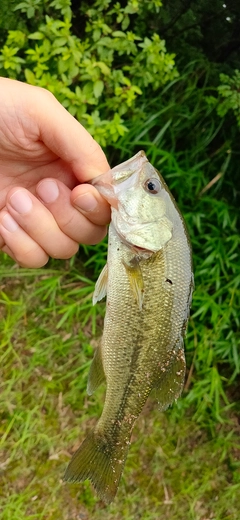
<point>100,290</point>
<point>135,277</point>
<point>170,385</point>
<point>96,374</point>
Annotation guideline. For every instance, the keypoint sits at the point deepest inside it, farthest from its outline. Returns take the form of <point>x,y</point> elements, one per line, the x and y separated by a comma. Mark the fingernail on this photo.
<point>9,223</point>
<point>86,202</point>
<point>48,191</point>
<point>21,202</point>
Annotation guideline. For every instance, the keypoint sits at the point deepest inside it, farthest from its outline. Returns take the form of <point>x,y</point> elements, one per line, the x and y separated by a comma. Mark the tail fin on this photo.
<point>102,464</point>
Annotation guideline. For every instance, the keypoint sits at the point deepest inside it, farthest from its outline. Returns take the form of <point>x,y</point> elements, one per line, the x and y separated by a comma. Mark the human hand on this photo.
<point>44,155</point>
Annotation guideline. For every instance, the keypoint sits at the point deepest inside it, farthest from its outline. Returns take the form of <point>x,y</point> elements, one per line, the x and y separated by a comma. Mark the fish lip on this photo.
<point>142,249</point>
<point>141,252</point>
<point>108,185</point>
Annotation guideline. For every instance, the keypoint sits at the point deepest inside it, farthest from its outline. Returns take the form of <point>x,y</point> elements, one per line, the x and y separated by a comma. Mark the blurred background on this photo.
<point>162,76</point>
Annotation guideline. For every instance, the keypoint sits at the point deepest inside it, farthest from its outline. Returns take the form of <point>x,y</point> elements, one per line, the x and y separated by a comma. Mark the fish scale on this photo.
<point>148,282</point>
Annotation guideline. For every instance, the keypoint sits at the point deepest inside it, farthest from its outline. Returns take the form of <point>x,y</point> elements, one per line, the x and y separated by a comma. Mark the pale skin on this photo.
<point>46,159</point>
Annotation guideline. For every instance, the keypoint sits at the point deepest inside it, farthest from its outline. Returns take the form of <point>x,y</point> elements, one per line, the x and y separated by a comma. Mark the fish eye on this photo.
<point>153,186</point>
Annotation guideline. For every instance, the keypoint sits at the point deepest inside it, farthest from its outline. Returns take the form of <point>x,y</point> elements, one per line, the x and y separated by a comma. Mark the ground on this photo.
<point>178,468</point>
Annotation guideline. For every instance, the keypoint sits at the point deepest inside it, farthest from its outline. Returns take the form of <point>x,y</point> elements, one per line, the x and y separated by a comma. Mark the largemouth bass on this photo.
<point>148,281</point>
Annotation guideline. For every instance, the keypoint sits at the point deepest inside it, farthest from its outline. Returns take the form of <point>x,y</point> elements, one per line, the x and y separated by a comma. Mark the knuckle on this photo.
<point>96,237</point>
<point>34,264</point>
<point>46,93</point>
<point>72,251</point>
<point>33,257</point>
<point>68,223</point>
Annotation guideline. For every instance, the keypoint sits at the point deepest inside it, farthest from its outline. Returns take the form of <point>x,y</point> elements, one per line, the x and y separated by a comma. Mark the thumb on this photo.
<point>68,139</point>
<point>48,121</point>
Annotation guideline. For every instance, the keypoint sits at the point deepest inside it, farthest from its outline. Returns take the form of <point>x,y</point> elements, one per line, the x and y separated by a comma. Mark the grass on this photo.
<point>176,469</point>
<point>183,464</point>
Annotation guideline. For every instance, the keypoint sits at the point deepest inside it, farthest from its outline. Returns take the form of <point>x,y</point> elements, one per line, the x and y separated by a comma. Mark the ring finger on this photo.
<point>19,245</point>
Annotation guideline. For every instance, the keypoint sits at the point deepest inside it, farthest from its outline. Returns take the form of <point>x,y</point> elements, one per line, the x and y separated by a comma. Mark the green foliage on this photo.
<point>9,19</point>
<point>29,7</point>
<point>229,93</point>
<point>108,66</point>
<point>8,59</point>
<point>98,77</point>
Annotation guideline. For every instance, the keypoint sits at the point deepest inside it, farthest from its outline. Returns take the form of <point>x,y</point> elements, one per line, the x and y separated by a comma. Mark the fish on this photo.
<point>148,284</point>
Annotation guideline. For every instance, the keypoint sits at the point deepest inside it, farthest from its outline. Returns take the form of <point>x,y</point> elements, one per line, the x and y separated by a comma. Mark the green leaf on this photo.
<point>30,77</point>
<point>96,35</point>
<point>119,34</point>
<point>104,68</point>
<point>98,88</point>
<point>22,5</point>
<point>30,12</point>
<point>36,36</point>
<point>125,22</point>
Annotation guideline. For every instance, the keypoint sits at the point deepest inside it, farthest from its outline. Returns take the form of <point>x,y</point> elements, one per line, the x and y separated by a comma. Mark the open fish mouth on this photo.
<point>142,249</point>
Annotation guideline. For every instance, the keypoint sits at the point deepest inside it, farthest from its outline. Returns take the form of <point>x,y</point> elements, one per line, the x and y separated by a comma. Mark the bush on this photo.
<point>229,94</point>
<point>99,76</point>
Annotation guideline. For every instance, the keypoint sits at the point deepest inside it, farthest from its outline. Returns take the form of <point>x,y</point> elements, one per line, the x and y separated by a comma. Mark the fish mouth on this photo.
<point>141,249</point>
<point>142,253</point>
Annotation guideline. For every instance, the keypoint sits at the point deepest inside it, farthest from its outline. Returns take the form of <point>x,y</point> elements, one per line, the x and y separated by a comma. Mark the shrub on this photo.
<point>99,76</point>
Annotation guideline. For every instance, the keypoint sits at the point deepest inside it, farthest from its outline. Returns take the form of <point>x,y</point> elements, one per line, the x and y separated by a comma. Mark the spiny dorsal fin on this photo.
<point>100,290</point>
<point>135,277</point>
